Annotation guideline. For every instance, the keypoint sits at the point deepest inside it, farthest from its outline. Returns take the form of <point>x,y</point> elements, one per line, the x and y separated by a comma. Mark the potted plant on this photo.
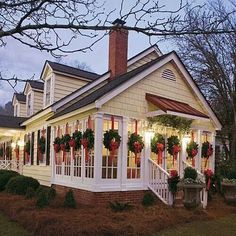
<point>229,187</point>
<point>192,187</point>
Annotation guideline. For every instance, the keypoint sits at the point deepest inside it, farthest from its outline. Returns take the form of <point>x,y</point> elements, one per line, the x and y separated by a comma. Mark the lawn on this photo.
<point>225,226</point>
<point>10,228</point>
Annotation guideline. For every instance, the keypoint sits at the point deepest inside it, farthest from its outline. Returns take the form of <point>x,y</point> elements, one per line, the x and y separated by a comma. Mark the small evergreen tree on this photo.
<point>69,201</point>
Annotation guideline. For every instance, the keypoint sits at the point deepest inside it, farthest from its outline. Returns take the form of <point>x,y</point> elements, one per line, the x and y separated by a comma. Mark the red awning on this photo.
<point>169,105</point>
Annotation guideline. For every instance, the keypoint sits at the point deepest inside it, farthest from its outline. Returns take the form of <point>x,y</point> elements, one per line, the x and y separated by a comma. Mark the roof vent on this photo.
<point>168,74</point>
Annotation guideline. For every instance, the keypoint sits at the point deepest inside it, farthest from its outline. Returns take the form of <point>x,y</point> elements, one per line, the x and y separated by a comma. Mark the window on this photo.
<point>29,104</point>
<point>168,74</point>
<point>48,92</point>
<point>16,110</point>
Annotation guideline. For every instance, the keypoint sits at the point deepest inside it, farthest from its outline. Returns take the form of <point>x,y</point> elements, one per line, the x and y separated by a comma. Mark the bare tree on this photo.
<point>42,24</point>
<point>212,61</point>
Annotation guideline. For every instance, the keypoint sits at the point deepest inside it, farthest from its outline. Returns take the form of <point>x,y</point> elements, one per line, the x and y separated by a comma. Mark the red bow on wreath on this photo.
<point>84,142</point>
<point>72,144</point>
<point>63,148</point>
<point>194,152</point>
<point>114,145</point>
<point>176,150</point>
<point>160,149</point>
<point>137,149</point>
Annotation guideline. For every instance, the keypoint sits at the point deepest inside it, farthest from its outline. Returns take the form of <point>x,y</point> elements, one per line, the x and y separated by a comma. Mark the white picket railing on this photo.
<point>11,165</point>
<point>204,193</point>
<point>158,182</point>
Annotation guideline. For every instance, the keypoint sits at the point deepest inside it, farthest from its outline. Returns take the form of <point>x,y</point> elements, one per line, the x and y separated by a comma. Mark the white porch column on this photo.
<point>124,153</point>
<point>199,155</point>
<point>52,153</point>
<point>147,155</point>
<point>212,158</point>
<point>98,137</point>
<point>182,157</point>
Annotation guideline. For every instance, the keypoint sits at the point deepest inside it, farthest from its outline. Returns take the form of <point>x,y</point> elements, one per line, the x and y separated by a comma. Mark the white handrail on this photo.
<point>158,182</point>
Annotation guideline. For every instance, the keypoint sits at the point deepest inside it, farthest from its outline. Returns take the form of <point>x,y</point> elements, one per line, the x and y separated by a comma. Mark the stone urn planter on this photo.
<point>229,190</point>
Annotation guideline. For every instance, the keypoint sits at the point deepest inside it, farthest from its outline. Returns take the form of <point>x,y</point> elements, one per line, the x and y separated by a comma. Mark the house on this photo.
<point>68,100</point>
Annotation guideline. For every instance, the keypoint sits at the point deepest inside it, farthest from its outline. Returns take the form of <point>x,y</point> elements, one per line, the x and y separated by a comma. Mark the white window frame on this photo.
<point>50,91</point>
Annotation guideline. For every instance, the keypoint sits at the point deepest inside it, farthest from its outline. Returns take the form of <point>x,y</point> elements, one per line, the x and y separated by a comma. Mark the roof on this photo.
<point>72,70</point>
<point>166,104</point>
<point>101,90</point>
<point>20,97</point>
<point>36,84</point>
<point>12,122</point>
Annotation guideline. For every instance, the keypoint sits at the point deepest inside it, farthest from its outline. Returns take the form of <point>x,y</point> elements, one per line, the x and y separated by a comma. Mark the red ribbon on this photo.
<point>17,151</point>
<point>56,150</point>
<point>160,149</point>
<point>72,144</point>
<point>193,154</point>
<point>208,173</point>
<point>137,149</point>
<point>176,150</point>
<point>209,153</point>
<point>84,142</point>
<point>63,148</point>
<point>114,145</point>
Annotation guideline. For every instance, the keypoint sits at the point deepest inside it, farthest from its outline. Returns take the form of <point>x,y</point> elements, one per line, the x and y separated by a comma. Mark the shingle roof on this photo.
<point>11,122</point>
<point>20,97</point>
<point>72,71</point>
<point>110,85</point>
<point>36,84</point>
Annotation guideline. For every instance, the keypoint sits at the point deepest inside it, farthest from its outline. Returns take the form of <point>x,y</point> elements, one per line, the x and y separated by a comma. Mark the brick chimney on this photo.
<point>118,49</point>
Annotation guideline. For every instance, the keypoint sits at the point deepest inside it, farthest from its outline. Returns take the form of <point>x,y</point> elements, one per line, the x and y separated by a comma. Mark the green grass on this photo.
<point>10,228</point>
<point>225,226</point>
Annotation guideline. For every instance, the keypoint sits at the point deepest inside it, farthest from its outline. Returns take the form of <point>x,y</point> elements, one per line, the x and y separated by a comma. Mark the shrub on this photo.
<point>69,201</point>
<point>119,206</point>
<point>148,199</point>
<point>173,180</point>
<point>42,199</point>
<point>49,191</point>
<point>30,193</point>
<point>190,173</point>
<point>5,176</point>
<point>20,184</point>
<point>52,193</point>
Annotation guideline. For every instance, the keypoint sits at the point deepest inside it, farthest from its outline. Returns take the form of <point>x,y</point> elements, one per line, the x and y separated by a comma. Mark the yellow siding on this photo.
<point>41,173</point>
<point>65,85</point>
<point>22,111</point>
<point>38,101</point>
<point>142,61</point>
<point>132,103</point>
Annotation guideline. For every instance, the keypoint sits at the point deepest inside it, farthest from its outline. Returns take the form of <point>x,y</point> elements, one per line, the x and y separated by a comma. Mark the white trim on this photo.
<point>144,54</point>
<point>187,116</point>
<point>80,91</point>
<point>143,74</point>
<point>155,113</point>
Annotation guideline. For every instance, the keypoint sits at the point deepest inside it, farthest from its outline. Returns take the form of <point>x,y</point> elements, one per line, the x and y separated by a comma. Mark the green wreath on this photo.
<point>88,135</point>
<point>56,144</point>
<point>158,138</point>
<point>27,147</point>
<point>110,136</point>
<point>65,140</point>
<point>42,145</point>
<point>171,142</point>
<point>135,138</point>
<point>207,150</point>
<point>77,136</point>
<point>192,149</point>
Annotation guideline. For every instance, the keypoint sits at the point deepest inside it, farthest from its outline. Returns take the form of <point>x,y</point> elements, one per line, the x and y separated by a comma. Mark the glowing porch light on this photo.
<point>186,139</point>
<point>13,144</point>
<point>21,143</point>
<point>149,134</point>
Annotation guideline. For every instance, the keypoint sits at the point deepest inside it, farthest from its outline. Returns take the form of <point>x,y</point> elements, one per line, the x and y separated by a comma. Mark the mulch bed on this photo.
<point>85,220</point>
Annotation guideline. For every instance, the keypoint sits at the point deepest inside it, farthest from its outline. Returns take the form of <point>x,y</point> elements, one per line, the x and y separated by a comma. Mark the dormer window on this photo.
<point>29,104</point>
<point>48,92</point>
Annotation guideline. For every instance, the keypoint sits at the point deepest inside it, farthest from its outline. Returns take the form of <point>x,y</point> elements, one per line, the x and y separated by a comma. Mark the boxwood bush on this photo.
<point>20,184</point>
<point>5,176</point>
<point>190,173</point>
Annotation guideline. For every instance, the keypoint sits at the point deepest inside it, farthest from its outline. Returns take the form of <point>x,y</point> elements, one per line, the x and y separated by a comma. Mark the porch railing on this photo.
<point>158,182</point>
<point>11,165</point>
<point>204,193</point>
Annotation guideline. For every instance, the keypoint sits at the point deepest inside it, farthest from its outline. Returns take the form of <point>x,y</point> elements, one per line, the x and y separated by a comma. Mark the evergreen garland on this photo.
<point>158,138</point>
<point>77,136</point>
<point>171,142</point>
<point>135,139</point>
<point>109,136</point>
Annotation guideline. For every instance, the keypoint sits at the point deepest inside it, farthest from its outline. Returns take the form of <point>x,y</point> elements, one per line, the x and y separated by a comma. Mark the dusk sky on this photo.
<point>24,62</point>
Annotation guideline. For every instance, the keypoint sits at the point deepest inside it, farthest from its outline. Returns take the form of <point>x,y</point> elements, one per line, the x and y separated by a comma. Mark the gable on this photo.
<point>131,102</point>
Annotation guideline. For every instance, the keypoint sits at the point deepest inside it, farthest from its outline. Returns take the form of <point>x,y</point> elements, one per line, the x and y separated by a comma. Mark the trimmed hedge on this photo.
<point>49,191</point>
<point>20,184</point>
<point>5,176</point>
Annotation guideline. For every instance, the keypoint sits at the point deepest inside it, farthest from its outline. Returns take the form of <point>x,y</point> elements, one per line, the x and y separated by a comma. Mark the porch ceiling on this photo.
<point>172,107</point>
